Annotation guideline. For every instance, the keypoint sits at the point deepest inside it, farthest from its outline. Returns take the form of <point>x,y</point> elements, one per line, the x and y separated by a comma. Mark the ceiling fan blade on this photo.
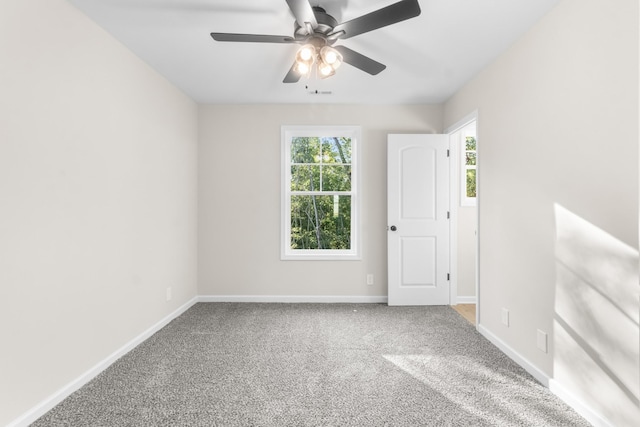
<point>360,61</point>
<point>292,76</point>
<point>303,12</point>
<point>392,14</point>
<point>251,38</point>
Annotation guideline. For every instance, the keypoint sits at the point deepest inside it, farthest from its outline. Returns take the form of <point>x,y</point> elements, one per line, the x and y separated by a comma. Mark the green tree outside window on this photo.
<point>470,158</point>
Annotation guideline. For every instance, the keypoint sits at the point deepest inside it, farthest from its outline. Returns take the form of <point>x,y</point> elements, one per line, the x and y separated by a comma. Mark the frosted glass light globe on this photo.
<point>325,69</point>
<point>306,53</point>
<point>303,68</point>
<point>330,57</point>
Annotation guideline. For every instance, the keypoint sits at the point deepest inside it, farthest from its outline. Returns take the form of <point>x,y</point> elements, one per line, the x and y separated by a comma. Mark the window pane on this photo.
<point>305,150</point>
<point>336,178</point>
<point>470,143</point>
<point>318,222</point>
<point>336,150</point>
<point>471,183</point>
<point>471,158</point>
<point>305,178</point>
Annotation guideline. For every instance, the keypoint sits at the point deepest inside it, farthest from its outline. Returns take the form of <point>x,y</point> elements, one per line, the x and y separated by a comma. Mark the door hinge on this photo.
<point>448,276</point>
<point>448,215</point>
<point>447,153</point>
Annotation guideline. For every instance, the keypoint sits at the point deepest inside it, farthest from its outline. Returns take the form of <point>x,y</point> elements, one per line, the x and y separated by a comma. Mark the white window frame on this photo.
<point>287,134</point>
<point>469,130</point>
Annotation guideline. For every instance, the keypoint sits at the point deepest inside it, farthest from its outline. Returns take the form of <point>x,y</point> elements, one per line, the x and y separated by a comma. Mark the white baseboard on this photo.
<point>295,299</point>
<point>578,405</point>
<point>47,404</point>
<point>556,388</point>
<point>515,356</point>
<point>466,300</point>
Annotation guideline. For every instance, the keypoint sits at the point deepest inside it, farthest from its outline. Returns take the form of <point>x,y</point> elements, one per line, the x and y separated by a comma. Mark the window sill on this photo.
<point>321,257</point>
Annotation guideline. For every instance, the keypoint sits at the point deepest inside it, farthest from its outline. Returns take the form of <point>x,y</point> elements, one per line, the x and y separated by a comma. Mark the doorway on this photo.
<point>465,287</point>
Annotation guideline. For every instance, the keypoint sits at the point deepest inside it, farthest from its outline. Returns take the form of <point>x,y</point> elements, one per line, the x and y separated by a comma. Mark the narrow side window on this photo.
<point>469,160</point>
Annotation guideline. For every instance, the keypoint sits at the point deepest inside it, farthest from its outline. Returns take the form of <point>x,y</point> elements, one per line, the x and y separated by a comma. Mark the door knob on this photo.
<point>393,228</point>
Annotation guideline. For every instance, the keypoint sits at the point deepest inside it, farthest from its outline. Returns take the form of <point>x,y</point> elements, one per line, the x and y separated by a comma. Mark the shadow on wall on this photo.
<point>596,332</point>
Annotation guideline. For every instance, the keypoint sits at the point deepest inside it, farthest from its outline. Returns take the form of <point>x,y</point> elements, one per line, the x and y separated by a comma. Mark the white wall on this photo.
<point>97,199</point>
<point>239,178</point>
<point>558,182</point>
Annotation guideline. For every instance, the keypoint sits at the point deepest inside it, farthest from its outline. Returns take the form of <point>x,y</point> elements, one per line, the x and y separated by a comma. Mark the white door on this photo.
<point>417,215</point>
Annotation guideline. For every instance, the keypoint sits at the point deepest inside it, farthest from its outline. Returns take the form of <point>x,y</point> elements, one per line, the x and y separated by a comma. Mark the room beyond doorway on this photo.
<point>468,311</point>
<point>464,212</point>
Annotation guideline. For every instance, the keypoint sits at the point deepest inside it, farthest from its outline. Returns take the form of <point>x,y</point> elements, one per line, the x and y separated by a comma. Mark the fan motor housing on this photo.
<point>326,24</point>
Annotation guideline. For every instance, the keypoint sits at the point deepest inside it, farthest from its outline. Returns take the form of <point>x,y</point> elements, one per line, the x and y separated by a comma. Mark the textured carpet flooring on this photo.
<point>227,364</point>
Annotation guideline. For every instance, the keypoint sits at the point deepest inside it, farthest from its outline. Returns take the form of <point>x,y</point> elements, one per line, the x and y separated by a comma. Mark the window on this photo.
<point>320,192</point>
<point>469,157</point>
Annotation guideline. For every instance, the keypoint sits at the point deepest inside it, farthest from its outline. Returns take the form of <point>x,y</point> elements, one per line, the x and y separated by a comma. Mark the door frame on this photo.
<point>454,183</point>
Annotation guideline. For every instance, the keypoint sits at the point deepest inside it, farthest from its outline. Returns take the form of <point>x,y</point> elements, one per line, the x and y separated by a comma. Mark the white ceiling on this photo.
<point>428,58</point>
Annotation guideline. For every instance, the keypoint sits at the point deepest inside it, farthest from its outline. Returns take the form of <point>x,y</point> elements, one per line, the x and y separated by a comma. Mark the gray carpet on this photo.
<point>228,364</point>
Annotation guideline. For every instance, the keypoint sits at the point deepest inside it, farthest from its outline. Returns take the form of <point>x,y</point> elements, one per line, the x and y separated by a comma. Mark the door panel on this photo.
<point>418,266</point>
<point>417,208</point>
<point>417,184</point>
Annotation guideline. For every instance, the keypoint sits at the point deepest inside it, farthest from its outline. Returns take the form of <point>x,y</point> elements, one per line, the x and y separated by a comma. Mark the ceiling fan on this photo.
<point>317,31</point>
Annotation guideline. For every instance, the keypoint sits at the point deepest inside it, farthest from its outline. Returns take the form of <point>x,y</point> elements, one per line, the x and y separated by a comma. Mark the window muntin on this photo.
<point>319,192</point>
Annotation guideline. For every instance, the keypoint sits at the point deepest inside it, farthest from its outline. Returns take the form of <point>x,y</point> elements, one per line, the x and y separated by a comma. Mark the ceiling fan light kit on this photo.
<point>317,31</point>
<point>326,59</point>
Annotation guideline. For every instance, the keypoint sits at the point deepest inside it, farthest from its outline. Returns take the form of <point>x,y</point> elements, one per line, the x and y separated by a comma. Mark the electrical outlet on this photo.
<point>542,341</point>
<point>369,279</point>
<point>505,317</point>
<point>169,296</point>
